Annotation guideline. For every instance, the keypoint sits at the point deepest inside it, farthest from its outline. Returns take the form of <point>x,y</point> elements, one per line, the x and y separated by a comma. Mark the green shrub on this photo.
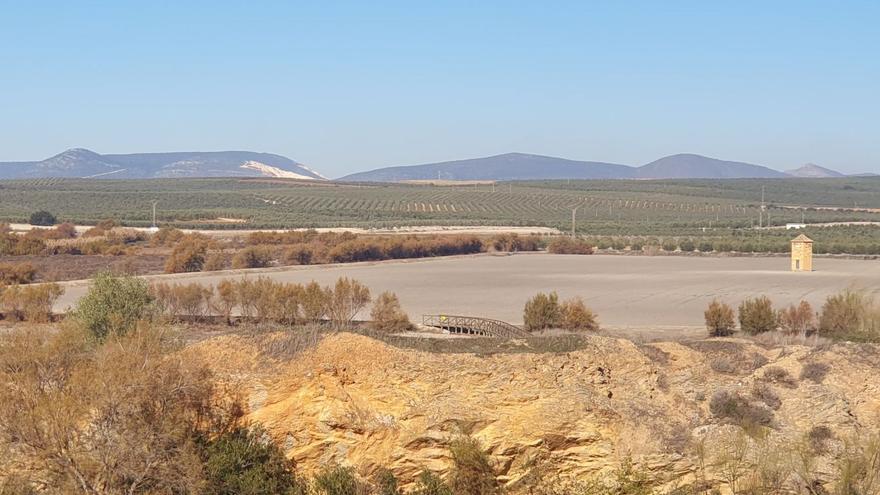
<point>245,462</point>
<point>686,245</point>
<point>542,311</point>
<point>719,319</point>
<point>431,484</point>
<point>42,218</point>
<point>114,305</point>
<point>337,480</point>
<point>386,483</point>
<point>472,471</point>
<point>756,316</point>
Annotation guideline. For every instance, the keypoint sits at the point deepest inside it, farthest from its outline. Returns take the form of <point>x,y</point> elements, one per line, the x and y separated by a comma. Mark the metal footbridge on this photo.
<point>472,325</point>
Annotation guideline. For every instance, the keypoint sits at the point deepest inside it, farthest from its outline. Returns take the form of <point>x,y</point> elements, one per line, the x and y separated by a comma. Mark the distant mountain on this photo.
<point>690,166</point>
<point>509,166</point>
<point>811,170</point>
<point>521,166</point>
<point>84,163</point>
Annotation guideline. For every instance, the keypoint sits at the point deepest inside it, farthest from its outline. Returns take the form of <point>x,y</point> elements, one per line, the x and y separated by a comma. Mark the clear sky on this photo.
<point>346,86</point>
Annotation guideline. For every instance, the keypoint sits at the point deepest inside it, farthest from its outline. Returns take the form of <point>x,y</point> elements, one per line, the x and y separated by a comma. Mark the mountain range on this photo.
<point>83,163</point>
<point>522,166</point>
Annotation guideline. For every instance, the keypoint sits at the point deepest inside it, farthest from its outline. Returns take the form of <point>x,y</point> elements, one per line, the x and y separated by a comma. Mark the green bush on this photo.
<point>756,316</point>
<point>386,483</point>
<point>245,462</point>
<point>431,484</point>
<point>472,471</point>
<point>542,311</point>
<point>42,218</point>
<point>114,305</point>
<point>337,480</point>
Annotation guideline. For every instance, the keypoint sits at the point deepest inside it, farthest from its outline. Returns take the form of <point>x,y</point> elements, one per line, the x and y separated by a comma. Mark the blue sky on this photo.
<point>351,86</point>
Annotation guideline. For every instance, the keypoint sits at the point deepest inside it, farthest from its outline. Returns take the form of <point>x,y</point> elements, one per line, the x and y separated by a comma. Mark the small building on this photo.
<point>801,254</point>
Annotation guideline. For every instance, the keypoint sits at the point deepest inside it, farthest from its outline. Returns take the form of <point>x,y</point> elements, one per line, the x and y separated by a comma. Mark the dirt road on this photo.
<point>631,294</point>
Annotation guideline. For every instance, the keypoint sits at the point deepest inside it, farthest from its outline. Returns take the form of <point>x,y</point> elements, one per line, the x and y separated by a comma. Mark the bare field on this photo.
<point>631,294</point>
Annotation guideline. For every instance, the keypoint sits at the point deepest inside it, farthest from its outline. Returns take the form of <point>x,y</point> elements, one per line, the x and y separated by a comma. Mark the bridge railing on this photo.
<point>472,325</point>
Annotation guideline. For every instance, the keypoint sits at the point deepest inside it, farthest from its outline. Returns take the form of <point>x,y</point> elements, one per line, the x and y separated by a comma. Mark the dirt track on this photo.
<point>631,294</point>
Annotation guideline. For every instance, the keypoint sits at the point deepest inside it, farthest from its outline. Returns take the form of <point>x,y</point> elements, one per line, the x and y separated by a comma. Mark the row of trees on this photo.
<point>849,315</point>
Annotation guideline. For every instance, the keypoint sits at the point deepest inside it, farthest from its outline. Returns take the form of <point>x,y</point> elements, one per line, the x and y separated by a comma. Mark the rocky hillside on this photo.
<point>361,402</point>
<point>82,163</point>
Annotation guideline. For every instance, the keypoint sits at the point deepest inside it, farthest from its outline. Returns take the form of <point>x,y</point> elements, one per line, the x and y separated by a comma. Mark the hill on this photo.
<point>691,166</point>
<point>811,170</point>
<point>83,163</point>
<point>509,166</point>
<point>521,166</point>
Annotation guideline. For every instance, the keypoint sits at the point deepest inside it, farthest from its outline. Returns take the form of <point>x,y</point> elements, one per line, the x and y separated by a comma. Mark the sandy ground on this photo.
<point>632,295</point>
<point>477,230</point>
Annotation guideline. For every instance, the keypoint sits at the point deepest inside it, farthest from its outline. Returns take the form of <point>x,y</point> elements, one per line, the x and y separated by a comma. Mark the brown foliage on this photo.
<point>719,319</point>
<point>387,315</point>
<point>30,302</point>
<point>513,243</point>
<point>183,300</point>
<point>575,316</point>
<point>17,273</point>
<point>253,257</point>
<point>188,255</point>
<point>798,320</point>
<point>567,245</point>
<point>123,417</point>
<point>347,299</point>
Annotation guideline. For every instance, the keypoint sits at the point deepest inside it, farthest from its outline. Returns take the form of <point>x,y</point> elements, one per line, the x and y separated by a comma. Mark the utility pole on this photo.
<point>761,223</point>
<point>573,213</point>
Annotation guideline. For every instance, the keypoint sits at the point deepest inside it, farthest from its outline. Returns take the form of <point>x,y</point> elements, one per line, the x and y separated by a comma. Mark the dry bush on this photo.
<point>288,237</point>
<point>166,236</point>
<point>17,273</point>
<point>314,301</point>
<point>513,243</point>
<point>756,316</point>
<point>31,302</point>
<point>215,262</point>
<point>575,316</point>
<point>542,311</point>
<point>779,376</point>
<point>729,405</point>
<point>719,319</point>
<point>850,315</point>
<point>818,437</point>
<point>123,417</point>
<point>183,300</point>
<point>798,320</point>
<point>62,231</point>
<point>567,245</point>
<point>300,254</point>
<point>815,372</point>
<point>347,299</point>
<point>15,245</point>
<point>225,300</point>
<point>188,254</point>
<point>387,315</point>
<point>253,257</point>
<point>765,393</point>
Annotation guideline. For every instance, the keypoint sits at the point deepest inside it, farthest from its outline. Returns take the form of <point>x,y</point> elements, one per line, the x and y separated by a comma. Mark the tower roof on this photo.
<point>802,238</point>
